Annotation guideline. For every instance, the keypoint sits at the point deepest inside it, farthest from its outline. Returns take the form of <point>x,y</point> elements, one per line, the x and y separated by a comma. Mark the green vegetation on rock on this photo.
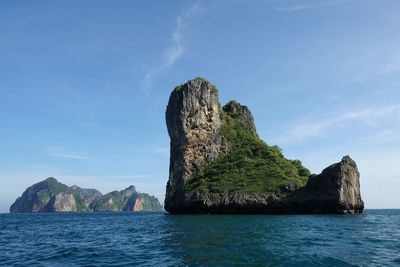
<point>54,187</point>
<point>112,201</point>
<point>44,196</point>
<point>80,202</point>
<point>214,89</point>
<point>180,87</point>
<point>150,203</point>
<point>251,166</point>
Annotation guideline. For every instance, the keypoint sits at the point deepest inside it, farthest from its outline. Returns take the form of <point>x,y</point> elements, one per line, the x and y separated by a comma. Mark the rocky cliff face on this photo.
<point>52,196</point>
<point>63,202</point>
<point>335,190</point>
<point>193,122</point>
<point>86,197</point>
<point>46,196</point>
<point>241,114</point>
<point>218,164</point>
<point>126,200</point>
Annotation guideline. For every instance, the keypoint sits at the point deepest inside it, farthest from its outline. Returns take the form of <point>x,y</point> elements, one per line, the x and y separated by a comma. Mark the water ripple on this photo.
<point>148,239</point>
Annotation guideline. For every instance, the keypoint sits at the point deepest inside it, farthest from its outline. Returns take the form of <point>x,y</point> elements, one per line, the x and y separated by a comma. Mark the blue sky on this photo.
<point>84,86</point>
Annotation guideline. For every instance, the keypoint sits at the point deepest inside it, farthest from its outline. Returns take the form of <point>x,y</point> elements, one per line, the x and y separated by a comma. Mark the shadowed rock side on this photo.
<point>218,164</point>
<point>52,196</point>
<point>335,190</point>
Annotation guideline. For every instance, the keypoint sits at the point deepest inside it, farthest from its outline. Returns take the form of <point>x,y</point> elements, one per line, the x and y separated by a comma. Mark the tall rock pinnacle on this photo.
<point>193,121</point>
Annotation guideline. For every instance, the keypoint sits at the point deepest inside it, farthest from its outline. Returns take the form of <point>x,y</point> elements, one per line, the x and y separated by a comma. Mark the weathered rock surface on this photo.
<point>88,196</point>
<point>241,114</point>
<point>193,122</point>
<point>63,202</point>
<point>126,200</point>
<point>335,190</point>
<point>52,196</point>
<point>44,197</point>
<point>197,126</point>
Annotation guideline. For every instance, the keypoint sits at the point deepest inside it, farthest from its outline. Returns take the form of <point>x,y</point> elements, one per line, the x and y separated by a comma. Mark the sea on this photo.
<point>159,239</point>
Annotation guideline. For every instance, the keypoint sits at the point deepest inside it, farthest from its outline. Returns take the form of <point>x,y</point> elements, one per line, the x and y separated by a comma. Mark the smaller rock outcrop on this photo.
<point>335,190</point>
<point>241,114</point>
<point>52,196</point>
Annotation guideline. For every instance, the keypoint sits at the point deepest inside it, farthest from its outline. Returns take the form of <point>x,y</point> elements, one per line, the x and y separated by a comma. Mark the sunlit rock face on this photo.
<point>193,121</point>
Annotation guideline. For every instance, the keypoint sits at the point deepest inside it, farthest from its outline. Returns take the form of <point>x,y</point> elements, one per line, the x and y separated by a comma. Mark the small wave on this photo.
<point>112,240</point>
<point>324,261</point>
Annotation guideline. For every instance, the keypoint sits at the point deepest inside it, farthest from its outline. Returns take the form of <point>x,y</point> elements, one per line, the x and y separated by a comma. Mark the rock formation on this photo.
<point>335,190</point>
<point>126,200</point>
<point>218,164</point>
<point>193,121</point>
<point>52,196</point>
<point>241,114</point>
<point>63,202</point>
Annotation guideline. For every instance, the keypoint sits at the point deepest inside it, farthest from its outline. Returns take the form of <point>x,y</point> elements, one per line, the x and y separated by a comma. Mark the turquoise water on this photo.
<point>126,239</point>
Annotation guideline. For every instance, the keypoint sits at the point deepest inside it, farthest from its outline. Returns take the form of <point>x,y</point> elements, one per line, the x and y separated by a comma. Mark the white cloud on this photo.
<point>162,151</point>
<point>309,5</point>
<point>173,52</point>
<point>370,117</point>
<point>148,81</point>
<point>379,64</point>
<point>293,8</point>
<point>393,65</point>
<point>63,153</point>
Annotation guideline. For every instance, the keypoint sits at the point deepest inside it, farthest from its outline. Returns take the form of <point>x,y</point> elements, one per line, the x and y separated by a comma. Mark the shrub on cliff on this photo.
<point>251,166</point>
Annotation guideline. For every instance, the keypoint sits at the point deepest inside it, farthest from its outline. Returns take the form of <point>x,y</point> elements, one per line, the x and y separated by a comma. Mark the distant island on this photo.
<point>52,196</point>
<point>219,164</point>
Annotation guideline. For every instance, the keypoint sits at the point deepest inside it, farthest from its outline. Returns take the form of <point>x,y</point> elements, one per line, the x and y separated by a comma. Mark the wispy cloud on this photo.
<point>370,117</point>
<point>162,151</point>
<point>393,65</point>
<point>379,64</point>
<point>174,51</point>
<point>63,153</point>
<point>311,5</point>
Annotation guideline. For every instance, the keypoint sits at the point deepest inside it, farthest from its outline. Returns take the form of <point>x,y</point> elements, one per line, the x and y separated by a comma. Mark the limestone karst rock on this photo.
<point>336,189</point>
<point>218,164</point>
<point>193,121</point>
<point>52,196</point>
<point>63,202</point>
